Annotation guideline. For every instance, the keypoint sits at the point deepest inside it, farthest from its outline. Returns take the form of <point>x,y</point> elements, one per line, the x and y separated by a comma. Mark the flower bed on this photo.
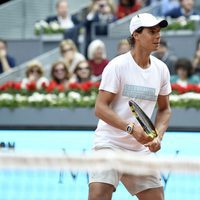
<point>80,95</point>
<point>185,97</point>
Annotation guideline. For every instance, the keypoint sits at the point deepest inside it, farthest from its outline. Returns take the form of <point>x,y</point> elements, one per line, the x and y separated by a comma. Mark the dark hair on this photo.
<point>54,65</point>
<point>129,4</point>
<point>3,41</point>
<point>185,64</point>
<point>131,39</point>
<point>77,68</point>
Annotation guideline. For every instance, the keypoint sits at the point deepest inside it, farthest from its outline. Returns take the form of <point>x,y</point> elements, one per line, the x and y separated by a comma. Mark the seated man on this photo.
<point>63,18</point>
<point>169,58</point>
<point>185,9</point>
<point>6,61</point>
<point>71,24</point>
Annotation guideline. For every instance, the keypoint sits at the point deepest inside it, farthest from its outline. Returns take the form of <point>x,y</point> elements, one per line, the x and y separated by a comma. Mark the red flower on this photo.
<point>188,88</point>
<point>85,86</point>
<point>31,86</point>
<point>95,84</point>
<point>51,86</point>
<point>17,86</point>
<point>74,86</point>
<point>54,86</point>
<point>44,85</point>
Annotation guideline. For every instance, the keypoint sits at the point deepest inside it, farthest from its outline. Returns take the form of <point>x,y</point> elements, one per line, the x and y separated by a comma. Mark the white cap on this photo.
<point>146,20</point>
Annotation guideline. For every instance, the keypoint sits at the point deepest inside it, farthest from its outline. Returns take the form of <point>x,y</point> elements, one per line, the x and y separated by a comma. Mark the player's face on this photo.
<point>149,38</point>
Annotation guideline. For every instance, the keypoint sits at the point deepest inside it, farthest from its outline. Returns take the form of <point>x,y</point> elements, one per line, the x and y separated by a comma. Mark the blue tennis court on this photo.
<point>65,185</point>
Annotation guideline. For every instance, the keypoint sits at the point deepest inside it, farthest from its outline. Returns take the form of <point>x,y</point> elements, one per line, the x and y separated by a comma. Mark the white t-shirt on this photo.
<point>125,78</point>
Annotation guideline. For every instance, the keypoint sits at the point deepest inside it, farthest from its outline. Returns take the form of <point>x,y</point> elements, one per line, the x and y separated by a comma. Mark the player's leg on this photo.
<point>153,193</point>
<point>145,187</point>
<point>100,191</point>
<point>103,183</point>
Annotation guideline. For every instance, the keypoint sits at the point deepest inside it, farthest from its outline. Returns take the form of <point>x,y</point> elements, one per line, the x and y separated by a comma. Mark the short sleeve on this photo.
<point>110,78</point>
<point>165,82</point>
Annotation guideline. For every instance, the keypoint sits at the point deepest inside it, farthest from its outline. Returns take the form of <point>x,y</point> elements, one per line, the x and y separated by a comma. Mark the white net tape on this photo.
<point>124,162</point>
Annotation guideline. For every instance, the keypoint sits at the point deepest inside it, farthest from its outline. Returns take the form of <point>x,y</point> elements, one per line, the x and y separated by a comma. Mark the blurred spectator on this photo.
<point>184,74</point>
<point>96,6</point>
<point>63,17</point>
<point>70,54</point>
<point>82,73</point>
<point>185,9</point>
<point>166,56</point>
<point>97,20</point>
<point>6,61</point>
<point>196,59</point>
<point>60,76</point>
<point>97,57</point>
<point>126,7</point>
<point>34,75</point>
<point>161,6</point>
<point>123,47</point>
<point>168,5</point>
<point>70,23</point>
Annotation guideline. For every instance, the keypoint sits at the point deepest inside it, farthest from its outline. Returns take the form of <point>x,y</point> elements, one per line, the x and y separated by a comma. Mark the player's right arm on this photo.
<point>105,113</point>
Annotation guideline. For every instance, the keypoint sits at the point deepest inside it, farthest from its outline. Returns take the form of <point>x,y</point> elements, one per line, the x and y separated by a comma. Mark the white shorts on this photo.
<point>133,183</point>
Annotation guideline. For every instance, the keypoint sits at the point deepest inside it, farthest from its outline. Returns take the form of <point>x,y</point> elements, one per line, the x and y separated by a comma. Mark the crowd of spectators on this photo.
<point>73,66</point>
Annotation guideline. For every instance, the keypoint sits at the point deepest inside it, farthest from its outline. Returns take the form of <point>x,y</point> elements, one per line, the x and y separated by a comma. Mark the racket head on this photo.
<point>143,119</point>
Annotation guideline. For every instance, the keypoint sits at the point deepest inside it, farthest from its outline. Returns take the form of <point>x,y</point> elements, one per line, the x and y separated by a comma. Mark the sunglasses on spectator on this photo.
<point>66,50</point>
<point>35,70</point>
<point>59,70</point>
<point>102,5</point>
<point>83,68</point>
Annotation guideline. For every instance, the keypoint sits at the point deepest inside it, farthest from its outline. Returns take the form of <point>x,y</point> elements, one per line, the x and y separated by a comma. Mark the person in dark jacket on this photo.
<point>6,61</point>
<point>185,9</point>
<point>69,23</point>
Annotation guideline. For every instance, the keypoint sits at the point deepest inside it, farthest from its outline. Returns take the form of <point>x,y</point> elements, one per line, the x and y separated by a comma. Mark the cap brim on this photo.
<point>163,23</point>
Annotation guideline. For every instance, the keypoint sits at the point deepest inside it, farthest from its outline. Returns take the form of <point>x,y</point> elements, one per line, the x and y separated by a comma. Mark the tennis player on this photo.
<point>139,76</point>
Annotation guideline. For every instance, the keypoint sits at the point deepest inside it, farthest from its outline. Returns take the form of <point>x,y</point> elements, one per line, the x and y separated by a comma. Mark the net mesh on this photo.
<point>65,177</point>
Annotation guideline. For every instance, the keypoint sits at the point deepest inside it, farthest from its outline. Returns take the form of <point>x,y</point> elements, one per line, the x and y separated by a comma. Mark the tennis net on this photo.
<point>26,176</point>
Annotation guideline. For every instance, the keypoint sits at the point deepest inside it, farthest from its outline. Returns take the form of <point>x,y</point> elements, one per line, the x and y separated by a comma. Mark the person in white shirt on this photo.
<point>139,76</point>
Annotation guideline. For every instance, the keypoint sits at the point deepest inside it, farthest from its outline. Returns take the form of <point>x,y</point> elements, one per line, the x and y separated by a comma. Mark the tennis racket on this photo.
<point>143,119</point>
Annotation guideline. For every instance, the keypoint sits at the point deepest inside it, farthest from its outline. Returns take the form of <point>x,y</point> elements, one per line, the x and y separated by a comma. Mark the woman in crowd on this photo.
<point>97,57</point>
<point>184,75</point>
<point>82,73</point>
<point>123,47</point>
<point>34,75</point>
<point>60,76</point>
<point>70,54</point>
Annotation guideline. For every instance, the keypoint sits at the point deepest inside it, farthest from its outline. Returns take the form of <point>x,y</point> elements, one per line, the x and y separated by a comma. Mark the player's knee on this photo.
<point>99,193</point>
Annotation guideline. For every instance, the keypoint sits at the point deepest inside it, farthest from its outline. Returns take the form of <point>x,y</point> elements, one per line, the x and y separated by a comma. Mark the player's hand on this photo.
<point>154,145</point>
<point>140,135</point>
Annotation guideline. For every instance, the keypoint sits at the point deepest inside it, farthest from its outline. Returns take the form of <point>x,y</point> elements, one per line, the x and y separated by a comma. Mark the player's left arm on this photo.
<point>163,115</point>
<point>161,122</point>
